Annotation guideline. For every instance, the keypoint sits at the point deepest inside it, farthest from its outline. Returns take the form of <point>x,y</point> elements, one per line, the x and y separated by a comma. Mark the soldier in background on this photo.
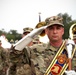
<point>25,69</point>
<point>22,59</point>
<point>26,31</point>
<point>3,60</point>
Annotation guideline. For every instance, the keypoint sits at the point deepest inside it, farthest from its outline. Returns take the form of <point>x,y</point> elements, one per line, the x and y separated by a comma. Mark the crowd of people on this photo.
<point>38,58</point>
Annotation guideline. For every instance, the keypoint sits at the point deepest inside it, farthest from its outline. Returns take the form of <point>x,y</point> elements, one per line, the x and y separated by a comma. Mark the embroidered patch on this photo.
<point>55,70</point>
<point>62,59</point>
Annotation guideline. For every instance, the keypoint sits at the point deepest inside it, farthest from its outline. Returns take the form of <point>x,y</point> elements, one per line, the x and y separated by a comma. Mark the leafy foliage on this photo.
<point>12,34</point>
<point>67,21</point>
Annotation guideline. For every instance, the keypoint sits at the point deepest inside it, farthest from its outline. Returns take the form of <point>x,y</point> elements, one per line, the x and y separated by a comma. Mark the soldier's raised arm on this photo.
<point>28,38</point>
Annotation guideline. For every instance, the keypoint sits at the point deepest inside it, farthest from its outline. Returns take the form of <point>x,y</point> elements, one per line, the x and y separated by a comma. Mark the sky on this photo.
<point>18,14</point>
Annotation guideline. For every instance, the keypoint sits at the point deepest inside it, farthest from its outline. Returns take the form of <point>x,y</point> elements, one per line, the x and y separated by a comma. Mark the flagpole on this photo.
<point>39,17</point>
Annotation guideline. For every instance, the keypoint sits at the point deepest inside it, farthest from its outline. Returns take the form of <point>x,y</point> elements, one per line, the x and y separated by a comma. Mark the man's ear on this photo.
<point>63,30</point>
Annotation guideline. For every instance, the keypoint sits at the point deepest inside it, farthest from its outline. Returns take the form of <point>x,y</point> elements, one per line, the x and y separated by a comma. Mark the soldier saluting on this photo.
<point>44,59</point>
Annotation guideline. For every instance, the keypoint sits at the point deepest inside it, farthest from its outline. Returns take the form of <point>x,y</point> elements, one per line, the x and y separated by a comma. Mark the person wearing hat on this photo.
<point>42,56</point>
<point>14,68</point>
<point>26,31</point>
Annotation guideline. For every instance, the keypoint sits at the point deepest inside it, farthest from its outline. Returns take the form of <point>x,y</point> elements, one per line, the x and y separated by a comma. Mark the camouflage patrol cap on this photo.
<point>54,20</point>
<point>27,29</point>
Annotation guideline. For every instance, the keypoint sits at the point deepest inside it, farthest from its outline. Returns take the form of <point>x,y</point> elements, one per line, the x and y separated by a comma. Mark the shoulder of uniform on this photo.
<point>1,48</point>
<point>38,47</point>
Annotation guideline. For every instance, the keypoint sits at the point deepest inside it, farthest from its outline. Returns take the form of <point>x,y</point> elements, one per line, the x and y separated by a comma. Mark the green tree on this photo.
<point>12,34</point>
<point>66,21</point>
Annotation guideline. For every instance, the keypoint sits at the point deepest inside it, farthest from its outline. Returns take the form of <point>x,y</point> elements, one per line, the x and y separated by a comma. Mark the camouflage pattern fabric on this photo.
<point>24,70</point>
<point>3,61</point>
<point>20,63</point>
<point>27,29</point>
<point>41,56</point>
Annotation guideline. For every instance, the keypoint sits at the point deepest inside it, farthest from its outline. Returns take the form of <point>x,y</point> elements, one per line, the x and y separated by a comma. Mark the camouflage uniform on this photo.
<point>21,59</point>
<point>38,55</point>
<point>20,62</point>
<point>3,61</point>
<point>41,57</point>
<point>36,40</point>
